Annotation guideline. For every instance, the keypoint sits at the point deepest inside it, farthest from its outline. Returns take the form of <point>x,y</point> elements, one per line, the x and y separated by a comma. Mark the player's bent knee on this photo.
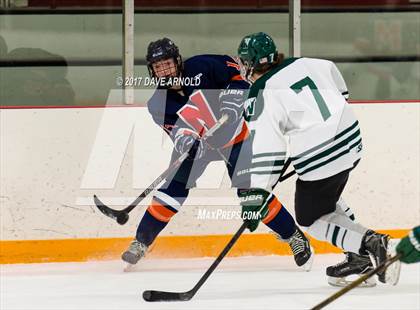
<point>306,219</point>
<point>308,213</point>
<point>160,212</point>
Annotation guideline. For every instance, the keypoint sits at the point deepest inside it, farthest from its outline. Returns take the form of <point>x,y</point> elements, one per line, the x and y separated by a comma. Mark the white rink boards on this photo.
<point>50,175</point>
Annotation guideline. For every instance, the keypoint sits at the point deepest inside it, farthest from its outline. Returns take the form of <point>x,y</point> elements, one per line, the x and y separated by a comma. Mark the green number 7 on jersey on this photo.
<point>322,106</point>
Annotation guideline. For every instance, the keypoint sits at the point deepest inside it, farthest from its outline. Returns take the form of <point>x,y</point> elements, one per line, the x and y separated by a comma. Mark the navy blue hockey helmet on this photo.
<point>160,50</point>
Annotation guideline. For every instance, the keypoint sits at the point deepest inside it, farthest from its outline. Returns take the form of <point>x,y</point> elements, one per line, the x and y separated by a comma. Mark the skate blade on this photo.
<point>392,273</point>
<point>129,267</point>
<point>308,265</point>
<point>342,282</point>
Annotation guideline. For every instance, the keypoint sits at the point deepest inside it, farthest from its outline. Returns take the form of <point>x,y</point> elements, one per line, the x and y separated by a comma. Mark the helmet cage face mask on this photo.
<point>246,69</point>
<point>163,49</point>
<point>177,64</point>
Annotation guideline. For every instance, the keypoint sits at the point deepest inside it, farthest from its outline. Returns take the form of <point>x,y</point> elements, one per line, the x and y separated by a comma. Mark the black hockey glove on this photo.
<point>190,143</point>
<point>232,103</point>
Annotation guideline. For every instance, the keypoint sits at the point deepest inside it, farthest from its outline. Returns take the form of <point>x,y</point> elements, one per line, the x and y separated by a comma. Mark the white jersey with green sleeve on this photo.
<point>299,108</point>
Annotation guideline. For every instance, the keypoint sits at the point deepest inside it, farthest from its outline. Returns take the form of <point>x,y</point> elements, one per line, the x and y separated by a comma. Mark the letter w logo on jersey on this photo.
<point>197,113</point>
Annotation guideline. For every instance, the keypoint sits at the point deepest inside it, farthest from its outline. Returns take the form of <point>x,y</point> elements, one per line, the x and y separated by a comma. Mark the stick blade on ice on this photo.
<point>151,295</point>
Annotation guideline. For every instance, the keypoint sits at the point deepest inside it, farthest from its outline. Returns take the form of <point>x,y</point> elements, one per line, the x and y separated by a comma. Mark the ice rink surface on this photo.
<point>270,282</point>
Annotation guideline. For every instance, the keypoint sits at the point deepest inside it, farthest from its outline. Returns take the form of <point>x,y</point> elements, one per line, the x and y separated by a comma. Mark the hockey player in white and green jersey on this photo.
<point>298,107</point>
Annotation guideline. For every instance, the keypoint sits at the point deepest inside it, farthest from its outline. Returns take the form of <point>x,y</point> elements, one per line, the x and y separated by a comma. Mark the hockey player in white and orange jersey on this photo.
<point>298,106</point>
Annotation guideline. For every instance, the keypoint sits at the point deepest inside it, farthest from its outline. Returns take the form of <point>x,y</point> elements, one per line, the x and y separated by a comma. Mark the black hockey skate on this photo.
<point>379,248</point>
<point>134,253</point>
<point>353,264</point>
<point>301,249</point>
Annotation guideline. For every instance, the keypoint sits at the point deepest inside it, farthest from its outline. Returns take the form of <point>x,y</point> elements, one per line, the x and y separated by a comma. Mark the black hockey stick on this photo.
<point>385,264</point>
<point>121,216</point>
<point>152,295</point>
